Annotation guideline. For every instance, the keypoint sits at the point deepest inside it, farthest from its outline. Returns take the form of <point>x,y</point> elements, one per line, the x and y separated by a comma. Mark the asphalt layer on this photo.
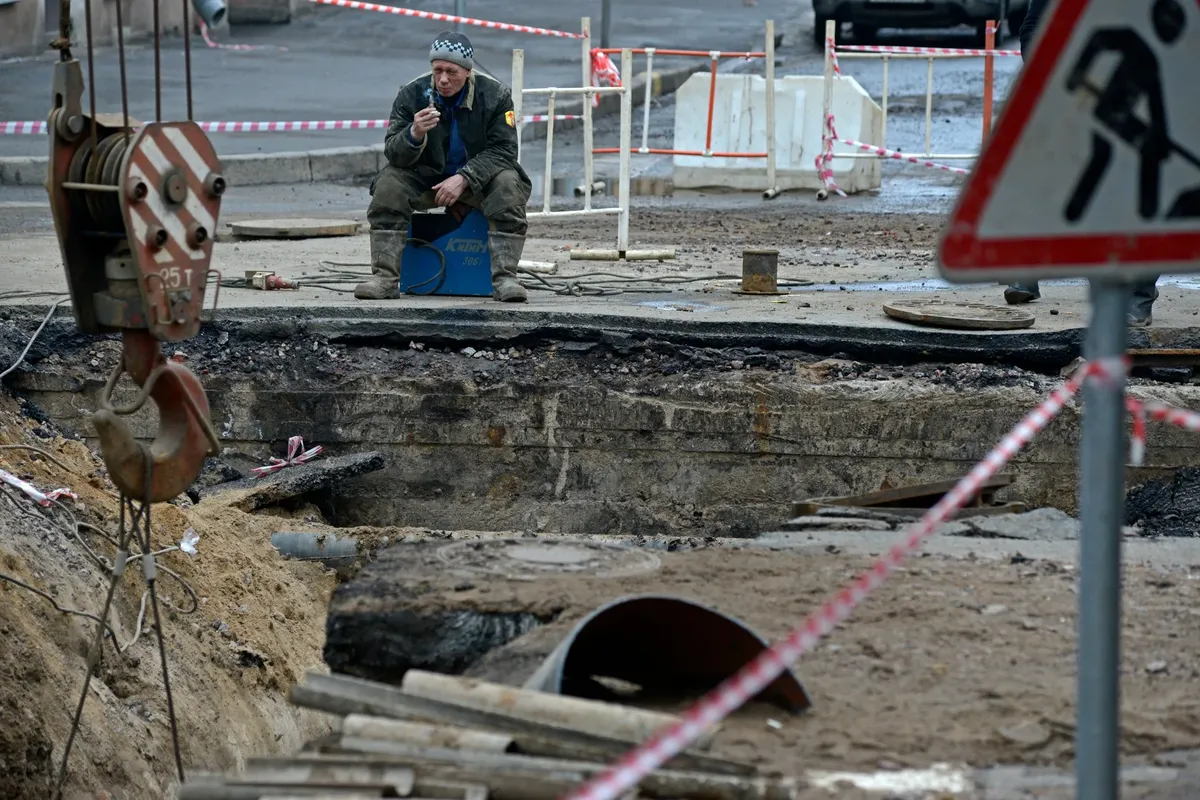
<point>347,64</point>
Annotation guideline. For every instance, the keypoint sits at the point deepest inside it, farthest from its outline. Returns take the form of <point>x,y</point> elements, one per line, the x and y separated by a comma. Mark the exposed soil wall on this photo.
<point>639,437</point>
<point>258,628</point>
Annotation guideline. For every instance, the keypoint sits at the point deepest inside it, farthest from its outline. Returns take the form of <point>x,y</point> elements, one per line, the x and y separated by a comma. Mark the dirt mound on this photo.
<point>1166,506</point>
<point>258,625</point>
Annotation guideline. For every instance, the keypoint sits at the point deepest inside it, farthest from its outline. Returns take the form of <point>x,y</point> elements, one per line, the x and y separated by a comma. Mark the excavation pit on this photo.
<point>555,430</point>
<point>682,446</point>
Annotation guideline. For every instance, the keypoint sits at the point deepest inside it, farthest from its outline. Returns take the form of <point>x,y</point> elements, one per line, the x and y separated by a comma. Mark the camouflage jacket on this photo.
<point>485,123</point>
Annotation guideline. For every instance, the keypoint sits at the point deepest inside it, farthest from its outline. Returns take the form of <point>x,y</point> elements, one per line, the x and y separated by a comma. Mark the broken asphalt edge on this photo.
<point>347,163</point>
<point>1047,351</point>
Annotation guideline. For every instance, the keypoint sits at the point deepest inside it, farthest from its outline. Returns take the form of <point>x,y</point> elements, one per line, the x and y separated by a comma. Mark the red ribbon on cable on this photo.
<point>294,456</point>
<point>603,69</point>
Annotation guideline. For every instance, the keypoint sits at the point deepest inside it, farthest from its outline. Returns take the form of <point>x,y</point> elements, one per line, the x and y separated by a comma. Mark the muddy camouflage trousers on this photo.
<point>397,193</point>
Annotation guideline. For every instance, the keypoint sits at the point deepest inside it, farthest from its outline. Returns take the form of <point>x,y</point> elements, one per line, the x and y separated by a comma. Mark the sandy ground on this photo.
<point>258,628</point>
<point>853,262</point>
<point>954,660</point>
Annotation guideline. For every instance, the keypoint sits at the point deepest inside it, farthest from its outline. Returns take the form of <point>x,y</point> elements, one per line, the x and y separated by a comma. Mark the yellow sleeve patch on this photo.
<point>510,118</point>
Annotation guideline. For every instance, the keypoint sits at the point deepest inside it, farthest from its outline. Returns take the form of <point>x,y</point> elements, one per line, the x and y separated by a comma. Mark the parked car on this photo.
<point>868,16</point>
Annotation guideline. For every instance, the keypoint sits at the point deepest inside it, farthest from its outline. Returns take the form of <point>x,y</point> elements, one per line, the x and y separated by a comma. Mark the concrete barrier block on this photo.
<point>258,169</point>
<point>341,163</point>
<point>23,171</point>
<point>262,12</point>
<point>738,127</point>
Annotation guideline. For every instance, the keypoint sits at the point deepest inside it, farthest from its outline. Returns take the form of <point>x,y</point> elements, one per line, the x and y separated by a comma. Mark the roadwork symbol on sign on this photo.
<point>1094,167</point>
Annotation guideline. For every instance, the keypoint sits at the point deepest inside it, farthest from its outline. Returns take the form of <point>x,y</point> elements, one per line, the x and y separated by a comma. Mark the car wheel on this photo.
<point>819,33</point>
<point>865,34</point>
<point>980,39</point>
<point>1015,17</point>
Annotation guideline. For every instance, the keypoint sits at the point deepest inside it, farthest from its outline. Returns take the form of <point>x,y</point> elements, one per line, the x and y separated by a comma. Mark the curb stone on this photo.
<point>346,163</point>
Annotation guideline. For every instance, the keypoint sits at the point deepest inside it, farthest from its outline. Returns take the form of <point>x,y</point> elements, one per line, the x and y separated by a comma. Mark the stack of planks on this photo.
<point>451,738</point>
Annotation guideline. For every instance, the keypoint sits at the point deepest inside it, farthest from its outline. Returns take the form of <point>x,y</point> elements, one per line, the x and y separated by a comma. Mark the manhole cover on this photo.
<point>529,560</point>
<point>294,228</point>
<point>948,314</point>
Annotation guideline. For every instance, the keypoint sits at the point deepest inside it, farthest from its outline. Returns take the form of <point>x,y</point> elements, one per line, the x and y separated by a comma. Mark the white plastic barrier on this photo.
<point>739,112</point>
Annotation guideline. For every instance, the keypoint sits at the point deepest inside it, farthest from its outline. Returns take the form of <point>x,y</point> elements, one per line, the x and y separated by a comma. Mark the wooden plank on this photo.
<point>234,790</point>
<point>591,716</point>
<point>365,726</point>
<point>930,492</point>
<point>360,779</point>
<point>900,514</point>
<point>344,695</point>
<point>1164,357</point>
<point>396,779</point>
<point>518,777</point>
<point>434,789</point>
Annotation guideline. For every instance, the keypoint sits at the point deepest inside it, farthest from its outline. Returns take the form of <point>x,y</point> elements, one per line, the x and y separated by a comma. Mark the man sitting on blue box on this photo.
<point>451,140</point>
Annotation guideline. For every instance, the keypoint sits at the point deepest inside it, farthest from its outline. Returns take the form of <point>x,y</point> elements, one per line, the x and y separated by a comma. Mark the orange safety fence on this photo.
<point>715,56</point>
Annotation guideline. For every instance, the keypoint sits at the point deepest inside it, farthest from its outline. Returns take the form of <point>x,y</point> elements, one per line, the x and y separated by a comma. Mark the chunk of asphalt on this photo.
<point>1040,524</point>
<point>250,494</point>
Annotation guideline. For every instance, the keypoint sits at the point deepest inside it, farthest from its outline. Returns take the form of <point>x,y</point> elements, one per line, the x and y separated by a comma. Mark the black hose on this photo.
<point>441,274</point>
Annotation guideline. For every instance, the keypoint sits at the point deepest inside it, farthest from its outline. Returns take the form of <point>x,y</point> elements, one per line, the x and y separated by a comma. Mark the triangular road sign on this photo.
<point>1094,165</point>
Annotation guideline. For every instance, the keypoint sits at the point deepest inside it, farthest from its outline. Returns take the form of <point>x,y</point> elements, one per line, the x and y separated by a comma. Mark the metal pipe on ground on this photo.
<point>211,11</point>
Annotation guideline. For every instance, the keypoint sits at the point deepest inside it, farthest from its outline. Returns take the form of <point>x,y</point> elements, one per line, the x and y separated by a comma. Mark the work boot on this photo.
<point>1018,293</point>
<point>384,284</point>
<point>506,255</point>
<point>1140,302</point>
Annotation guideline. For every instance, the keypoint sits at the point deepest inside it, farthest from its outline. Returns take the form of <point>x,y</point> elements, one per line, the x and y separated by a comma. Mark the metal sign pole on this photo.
<point>1102,504</point>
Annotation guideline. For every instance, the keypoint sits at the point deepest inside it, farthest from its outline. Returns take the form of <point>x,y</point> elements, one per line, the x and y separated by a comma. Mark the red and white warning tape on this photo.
<point>604,72</point>
<point>923,51</point>
<point>824,159</point>
<point>483,23</point>
<point>294,456</point>
<point>11,128</point>
<point>528,118</point>
<point>765,668</point>
<point>1160,412</point>
<point>39,128</point>
<point>895,155</point>
<point>291,127</point>
<point>39,497</point>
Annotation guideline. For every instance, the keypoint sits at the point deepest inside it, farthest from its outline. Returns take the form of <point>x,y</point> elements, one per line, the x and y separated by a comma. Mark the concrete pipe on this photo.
<point>662,645</point>
<point>211,11</point>
<point>336,554</point>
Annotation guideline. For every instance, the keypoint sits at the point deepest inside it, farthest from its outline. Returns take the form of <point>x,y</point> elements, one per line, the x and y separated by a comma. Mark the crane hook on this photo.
<point>172,462</point>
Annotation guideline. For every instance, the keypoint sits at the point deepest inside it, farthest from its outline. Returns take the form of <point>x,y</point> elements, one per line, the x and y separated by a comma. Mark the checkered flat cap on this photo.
<point>453,47</point>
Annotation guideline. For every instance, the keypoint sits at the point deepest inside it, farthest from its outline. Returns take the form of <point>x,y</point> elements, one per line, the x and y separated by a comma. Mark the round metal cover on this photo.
<point>949,314</point>
<point>294,228</point>
<point>531,559</point>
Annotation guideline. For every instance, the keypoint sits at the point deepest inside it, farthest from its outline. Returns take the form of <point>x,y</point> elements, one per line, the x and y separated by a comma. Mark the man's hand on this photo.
<point>450,190</point>
<point>425,121</point>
